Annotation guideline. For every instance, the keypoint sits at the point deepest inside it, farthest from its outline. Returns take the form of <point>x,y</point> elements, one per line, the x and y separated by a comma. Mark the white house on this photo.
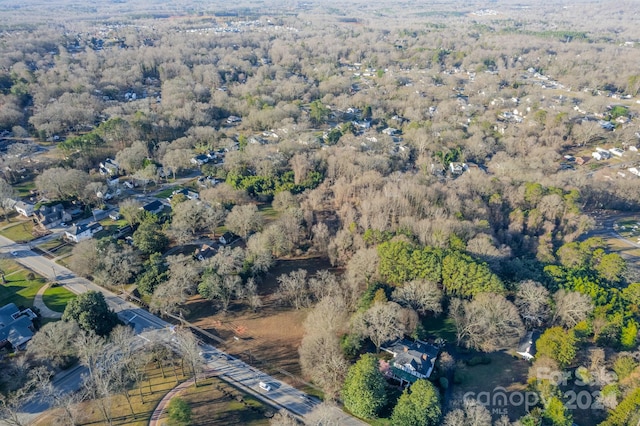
<point>25,209</point>
<point>617,152</point>
<point>458,168</point>
<point>79,233</point>
<point>527,346</point>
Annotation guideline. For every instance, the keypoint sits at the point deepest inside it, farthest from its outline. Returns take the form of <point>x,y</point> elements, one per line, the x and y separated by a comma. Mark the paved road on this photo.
<point>151,328</point>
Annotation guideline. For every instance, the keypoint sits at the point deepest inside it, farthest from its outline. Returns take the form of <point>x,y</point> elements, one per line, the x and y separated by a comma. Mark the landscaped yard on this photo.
<point>165,193</point>
<point>19,232</point>
<point>504,374</point>
<point>214,402</point>
<point>629,228</point>
<point>441,326</point>
<point>24,188</point>
<point>56,298</point>
<point>18,289</point>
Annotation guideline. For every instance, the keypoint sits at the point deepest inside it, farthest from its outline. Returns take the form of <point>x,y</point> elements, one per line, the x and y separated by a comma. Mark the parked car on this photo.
<point>264,386</point>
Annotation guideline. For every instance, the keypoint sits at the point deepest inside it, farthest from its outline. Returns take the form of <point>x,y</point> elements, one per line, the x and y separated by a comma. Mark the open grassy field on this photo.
<point>56,298</point>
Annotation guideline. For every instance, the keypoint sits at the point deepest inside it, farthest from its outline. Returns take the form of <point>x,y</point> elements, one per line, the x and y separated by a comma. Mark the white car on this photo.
<point>264,386</point>
<point>14,253</point>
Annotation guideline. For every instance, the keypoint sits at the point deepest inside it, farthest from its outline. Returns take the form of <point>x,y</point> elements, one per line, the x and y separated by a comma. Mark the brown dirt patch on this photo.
<point>269,338</point>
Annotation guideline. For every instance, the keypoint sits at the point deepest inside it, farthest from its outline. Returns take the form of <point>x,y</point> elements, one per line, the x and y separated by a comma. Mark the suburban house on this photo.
<point>79,233</point>
<point>201,159</point>
<point>25,209</point>
<point>51,216</point>
<point>412,360</point>
<point>205,251</point>
<point>16,326</point>
<point>527,345</point>
<point>109,167</point>
<point>190,195</point>
<point>458,168</point>
<point>226,238</point>
<point>154,207</point>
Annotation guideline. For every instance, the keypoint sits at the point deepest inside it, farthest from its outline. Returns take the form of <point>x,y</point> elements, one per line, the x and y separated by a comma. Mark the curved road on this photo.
<point>150,327</point>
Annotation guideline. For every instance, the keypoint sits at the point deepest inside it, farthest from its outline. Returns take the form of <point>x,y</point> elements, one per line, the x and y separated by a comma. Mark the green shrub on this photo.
<point>179,412</point>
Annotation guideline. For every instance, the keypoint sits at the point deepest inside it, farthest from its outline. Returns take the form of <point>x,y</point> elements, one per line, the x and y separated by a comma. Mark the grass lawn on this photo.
<point>24,188</point>
<point>629,228</point>
<point>56,298</point>
<point>215,402</point>
<point>153,389</point>
<point>19,232</point>
<point>51,244</point>
<point>167,192</point>
<point>505,374</point>
<point>441,326</point>
<point>268,212</point>
<point>18,289</point>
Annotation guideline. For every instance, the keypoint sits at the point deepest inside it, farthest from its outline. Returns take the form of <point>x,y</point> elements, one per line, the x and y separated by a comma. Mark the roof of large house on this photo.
<point>418,356</point>
<point>153,206</point>
<point>14,328</point>
<point>78,229</point>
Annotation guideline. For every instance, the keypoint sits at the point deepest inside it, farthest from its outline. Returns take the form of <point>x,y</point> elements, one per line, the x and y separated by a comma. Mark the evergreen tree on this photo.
<point>418,406</point>
<point>364,392</point>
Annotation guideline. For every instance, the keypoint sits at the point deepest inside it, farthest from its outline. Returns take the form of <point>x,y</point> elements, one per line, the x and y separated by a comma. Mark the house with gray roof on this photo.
<point>52,216</point>
<point>16,326</point>
<point>411,360</point>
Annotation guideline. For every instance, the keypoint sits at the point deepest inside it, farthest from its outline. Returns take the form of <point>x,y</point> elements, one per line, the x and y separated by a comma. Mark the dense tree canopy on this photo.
<point>364,390</point>
<point>91,312</point>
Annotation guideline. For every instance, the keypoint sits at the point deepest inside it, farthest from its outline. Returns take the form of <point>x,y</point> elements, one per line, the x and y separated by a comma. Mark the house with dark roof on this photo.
<point>227,238</point>
<point>154,207</point>
<point>52,216</point>
<point>205,251</point>
<point>527,346</point>
<point>80,232</point>
<point>16,326</point>
<point>412,360</point>
<point>201,159</point>
<point>189,194</point>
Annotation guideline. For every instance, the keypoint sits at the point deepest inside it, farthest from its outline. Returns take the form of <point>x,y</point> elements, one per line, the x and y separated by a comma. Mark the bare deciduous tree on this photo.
<point>53,343</point>
<point>189,351</point>
<point>423,296</point>
<point>381,323</point>
<point>571,307</point>
<point>243,220</point>
<point>488,322</point>
<point>532,301</point>
<point>293,289</point>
